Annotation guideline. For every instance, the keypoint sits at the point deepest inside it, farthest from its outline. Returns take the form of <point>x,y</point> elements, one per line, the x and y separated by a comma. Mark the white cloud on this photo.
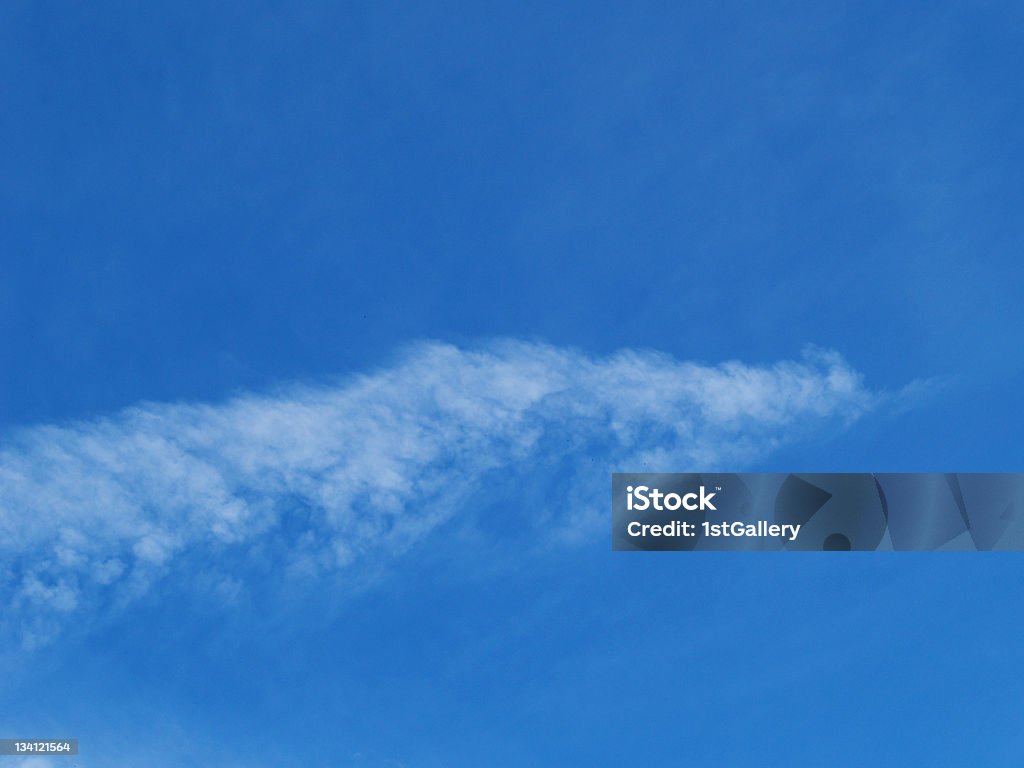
<point>319,477</point>
<point>33,762</point>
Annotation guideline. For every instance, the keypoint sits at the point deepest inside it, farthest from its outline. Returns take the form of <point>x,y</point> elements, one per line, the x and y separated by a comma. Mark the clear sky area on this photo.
<point>323,326</point>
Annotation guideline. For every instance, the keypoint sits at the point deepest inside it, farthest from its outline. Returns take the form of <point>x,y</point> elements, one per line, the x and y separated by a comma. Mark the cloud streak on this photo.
<point>322,478</point>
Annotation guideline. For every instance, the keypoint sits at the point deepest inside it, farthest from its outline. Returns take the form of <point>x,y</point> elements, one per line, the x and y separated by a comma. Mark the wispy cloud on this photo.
<point>320,478</point>
<point>33,762</point>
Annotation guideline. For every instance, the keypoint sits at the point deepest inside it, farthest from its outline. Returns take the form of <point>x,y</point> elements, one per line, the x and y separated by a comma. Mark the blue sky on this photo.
<point>348,266</point>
